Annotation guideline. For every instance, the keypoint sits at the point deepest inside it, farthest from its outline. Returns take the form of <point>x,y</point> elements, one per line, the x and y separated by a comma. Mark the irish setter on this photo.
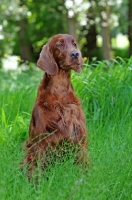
<point>57,115</point>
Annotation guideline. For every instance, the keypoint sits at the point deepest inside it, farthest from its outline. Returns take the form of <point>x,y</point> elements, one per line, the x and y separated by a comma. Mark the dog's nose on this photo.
<point>74,54</point>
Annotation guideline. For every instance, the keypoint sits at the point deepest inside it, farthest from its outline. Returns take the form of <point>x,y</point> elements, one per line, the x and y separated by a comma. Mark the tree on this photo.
<point>25,47</point>
<point>72,16</point>
<point>105,31</point>
<point>107,22</point>
<point>90,34</point>
<point>27,25</point>
<point>8,28</point>
<point>45,19</point>
<point>98,22</point>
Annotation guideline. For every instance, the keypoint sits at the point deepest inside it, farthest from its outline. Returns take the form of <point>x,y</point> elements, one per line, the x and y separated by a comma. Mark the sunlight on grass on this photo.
<point>105,90</point>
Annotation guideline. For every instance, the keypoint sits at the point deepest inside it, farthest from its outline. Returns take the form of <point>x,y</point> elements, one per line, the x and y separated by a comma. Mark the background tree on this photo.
<point>25,46</point>
<point>25,25</point>
<point>100,15</point>
<point>71,17</point>
<point>105,31</point>
<point>9,14</point>
<point>44,21</point>
<point>90,33</point>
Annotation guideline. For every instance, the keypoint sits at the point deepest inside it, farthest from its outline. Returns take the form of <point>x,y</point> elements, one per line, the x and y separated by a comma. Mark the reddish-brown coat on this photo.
<point>57,114</point>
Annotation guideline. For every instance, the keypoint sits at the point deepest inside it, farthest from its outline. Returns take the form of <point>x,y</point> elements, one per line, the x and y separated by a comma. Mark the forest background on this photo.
<point>103,28</point>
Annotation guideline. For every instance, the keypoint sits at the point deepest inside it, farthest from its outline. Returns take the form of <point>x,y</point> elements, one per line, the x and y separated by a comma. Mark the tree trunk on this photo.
<point>91,36</point>
<point>130,26</point>
<point>72,26</point>
<point>105,32</point>
<point>71,22</point>
<point>25,48</point>
<point>91,41</point>
<point>106,46</point>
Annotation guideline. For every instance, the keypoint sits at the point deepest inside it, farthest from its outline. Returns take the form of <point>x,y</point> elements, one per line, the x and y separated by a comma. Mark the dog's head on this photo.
<point>60,52</point>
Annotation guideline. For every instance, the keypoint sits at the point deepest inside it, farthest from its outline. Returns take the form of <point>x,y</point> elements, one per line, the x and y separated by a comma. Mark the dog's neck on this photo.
<point>59,84</point>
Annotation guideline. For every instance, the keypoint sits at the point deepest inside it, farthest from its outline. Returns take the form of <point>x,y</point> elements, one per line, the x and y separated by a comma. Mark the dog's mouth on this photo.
<point>75,65</point>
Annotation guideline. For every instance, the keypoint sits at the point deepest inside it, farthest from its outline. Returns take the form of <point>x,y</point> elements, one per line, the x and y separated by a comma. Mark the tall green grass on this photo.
<point>105,90</point>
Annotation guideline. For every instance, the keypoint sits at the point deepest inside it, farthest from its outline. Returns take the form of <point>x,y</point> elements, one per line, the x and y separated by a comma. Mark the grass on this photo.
<point>106,93</point>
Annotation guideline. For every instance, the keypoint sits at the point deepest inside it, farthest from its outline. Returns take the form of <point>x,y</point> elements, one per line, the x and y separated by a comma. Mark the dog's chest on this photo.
<point>66,110</point>
<point>69,122</point>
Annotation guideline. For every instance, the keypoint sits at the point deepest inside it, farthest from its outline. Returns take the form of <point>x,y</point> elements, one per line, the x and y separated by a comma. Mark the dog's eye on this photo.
<point>74,44</point>
<point>61,45</point>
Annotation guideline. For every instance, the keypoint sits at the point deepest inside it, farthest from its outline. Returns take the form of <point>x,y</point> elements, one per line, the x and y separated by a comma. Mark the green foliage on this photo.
<point>44,19</point>
<point>105,89</point>
<point>122,52</point>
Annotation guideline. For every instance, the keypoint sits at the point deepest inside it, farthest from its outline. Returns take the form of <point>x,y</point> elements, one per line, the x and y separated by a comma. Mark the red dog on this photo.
<point>57,115</point>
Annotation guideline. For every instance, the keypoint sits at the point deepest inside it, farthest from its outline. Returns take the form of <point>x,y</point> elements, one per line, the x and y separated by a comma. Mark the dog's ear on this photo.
<point>46,61</point>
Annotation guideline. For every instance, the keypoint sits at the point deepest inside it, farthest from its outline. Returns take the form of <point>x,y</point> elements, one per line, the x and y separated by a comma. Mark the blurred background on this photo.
<point>103,28</point>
